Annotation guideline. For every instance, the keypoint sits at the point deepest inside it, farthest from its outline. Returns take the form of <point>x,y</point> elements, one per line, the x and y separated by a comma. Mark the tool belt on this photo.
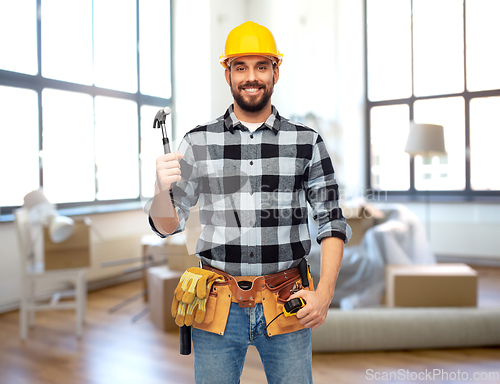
<point>272,291</point>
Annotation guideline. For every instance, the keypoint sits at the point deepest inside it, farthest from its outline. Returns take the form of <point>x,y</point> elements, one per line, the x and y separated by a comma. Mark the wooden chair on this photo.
<point>33,272</point>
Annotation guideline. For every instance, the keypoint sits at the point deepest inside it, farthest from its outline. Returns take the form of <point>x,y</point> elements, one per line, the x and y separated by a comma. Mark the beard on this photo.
<point>251,103</point>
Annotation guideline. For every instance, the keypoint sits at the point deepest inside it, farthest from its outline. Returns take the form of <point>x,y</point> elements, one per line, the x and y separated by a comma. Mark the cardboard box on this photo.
<point>435,285</point>
<point>178,257</point>
<point>161,285</point>
<point>72,253</point>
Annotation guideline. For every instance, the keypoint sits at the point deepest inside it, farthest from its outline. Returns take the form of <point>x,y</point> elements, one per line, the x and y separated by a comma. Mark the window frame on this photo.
<point>412,194</point>
<point>38,83</point>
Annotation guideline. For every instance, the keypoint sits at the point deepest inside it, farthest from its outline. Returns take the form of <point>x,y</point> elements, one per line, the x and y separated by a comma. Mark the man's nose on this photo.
<point>251,75</point>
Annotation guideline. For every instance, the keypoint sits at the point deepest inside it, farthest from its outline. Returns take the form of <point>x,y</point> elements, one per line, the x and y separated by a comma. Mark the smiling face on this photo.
<point>252,79</point>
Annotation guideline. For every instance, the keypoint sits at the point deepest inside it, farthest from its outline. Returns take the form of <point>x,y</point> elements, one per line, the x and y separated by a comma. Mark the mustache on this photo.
<point>252,84</point>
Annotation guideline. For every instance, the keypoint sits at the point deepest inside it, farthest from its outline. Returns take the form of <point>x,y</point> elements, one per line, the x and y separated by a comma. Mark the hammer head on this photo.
<point>161,116</point>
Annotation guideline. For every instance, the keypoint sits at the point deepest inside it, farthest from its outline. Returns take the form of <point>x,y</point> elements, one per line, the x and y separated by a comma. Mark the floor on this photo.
<point>116,350</point>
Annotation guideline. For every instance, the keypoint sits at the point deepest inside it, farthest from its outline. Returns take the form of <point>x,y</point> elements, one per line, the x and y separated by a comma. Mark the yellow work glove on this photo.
<point>194,282</point>
<point>185,314</point>
<point>196,311</point>
<point>191,295</point>
<point>179,312</point>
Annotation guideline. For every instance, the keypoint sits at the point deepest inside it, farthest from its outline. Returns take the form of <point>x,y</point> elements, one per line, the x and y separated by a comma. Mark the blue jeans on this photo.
<point>219,359</point>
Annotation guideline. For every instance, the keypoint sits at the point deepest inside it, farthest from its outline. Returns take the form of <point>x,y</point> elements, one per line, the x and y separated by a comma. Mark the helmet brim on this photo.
<point>224,59</point>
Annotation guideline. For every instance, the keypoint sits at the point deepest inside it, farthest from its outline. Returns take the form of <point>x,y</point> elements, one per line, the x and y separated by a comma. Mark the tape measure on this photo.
<point>291,307</point>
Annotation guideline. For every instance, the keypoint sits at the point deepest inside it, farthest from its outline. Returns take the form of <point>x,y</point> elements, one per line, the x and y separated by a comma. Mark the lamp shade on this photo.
<point>426,140</point>
<point>60,228</point>
<point>41,210</point>
<point>36,198</point>
<point>38,206</point>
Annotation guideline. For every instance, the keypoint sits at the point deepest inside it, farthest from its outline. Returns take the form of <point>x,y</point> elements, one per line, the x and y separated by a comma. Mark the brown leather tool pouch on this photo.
<point>273,300</point>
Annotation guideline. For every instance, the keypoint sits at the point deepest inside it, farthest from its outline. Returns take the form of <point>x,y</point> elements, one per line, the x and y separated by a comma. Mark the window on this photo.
<point>80,85</point>
<point>433,62</point>
<point>19,144</point>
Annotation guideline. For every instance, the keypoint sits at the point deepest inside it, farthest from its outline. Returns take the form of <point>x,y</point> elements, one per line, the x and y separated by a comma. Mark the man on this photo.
<point>254,173</point>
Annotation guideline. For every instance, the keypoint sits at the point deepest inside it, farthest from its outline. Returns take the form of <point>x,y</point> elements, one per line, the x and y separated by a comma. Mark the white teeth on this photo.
<point>251,90</point>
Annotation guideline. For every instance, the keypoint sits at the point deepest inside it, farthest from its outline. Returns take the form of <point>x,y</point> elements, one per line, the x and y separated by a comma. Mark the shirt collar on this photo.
<point>231,121</point>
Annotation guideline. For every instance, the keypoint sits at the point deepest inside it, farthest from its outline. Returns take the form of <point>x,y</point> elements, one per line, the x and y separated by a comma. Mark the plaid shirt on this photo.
<point>253,190</point>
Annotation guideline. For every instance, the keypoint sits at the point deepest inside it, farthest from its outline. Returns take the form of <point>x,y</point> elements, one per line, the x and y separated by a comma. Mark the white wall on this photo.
<point>224,16</point>
<point>191,44</point>
<point>468,231</point>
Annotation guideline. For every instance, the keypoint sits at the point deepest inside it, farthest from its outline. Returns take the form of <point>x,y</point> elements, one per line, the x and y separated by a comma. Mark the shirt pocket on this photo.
<point>283,175</point>
<point>218,180</point>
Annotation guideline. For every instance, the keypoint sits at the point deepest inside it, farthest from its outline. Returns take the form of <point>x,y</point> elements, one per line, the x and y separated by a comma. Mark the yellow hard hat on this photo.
<point>250,39</point>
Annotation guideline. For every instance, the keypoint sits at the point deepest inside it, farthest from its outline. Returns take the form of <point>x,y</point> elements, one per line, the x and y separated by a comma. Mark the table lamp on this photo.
<point>41,210</point>
<point>426,140</point>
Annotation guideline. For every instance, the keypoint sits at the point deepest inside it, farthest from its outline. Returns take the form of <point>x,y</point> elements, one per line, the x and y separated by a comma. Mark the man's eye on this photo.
<point>262,68</point>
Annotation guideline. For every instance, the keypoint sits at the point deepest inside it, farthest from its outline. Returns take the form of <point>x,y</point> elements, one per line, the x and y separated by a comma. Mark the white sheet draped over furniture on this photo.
<point>399,239</point>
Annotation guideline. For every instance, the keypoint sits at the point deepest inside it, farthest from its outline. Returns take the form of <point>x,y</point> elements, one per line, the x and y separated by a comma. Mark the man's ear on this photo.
<point>276,71</point>
<point>227,74</point>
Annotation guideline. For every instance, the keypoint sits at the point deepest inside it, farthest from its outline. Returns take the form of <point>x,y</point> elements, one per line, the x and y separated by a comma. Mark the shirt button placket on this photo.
<point>247,155</point>
<point>252,171</point>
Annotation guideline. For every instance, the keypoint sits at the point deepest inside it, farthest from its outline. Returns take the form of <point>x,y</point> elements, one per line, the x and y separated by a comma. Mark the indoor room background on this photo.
<point>322,83</point>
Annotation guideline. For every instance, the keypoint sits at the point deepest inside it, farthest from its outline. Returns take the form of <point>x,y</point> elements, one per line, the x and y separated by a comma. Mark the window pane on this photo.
<point>18,144</point>
<point>438,47</point>
<point>116,146</point>
<point>390,164</point>
<point>151,147</point>
<point>155,48</point>
<point>389,49</point>
<point>115,44</point>
<point>18,30</point>
<point>68,146</point>
<point>483,55</point>
<point>67,40</point>
<point>442,172</point>
<point>484,139</point>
